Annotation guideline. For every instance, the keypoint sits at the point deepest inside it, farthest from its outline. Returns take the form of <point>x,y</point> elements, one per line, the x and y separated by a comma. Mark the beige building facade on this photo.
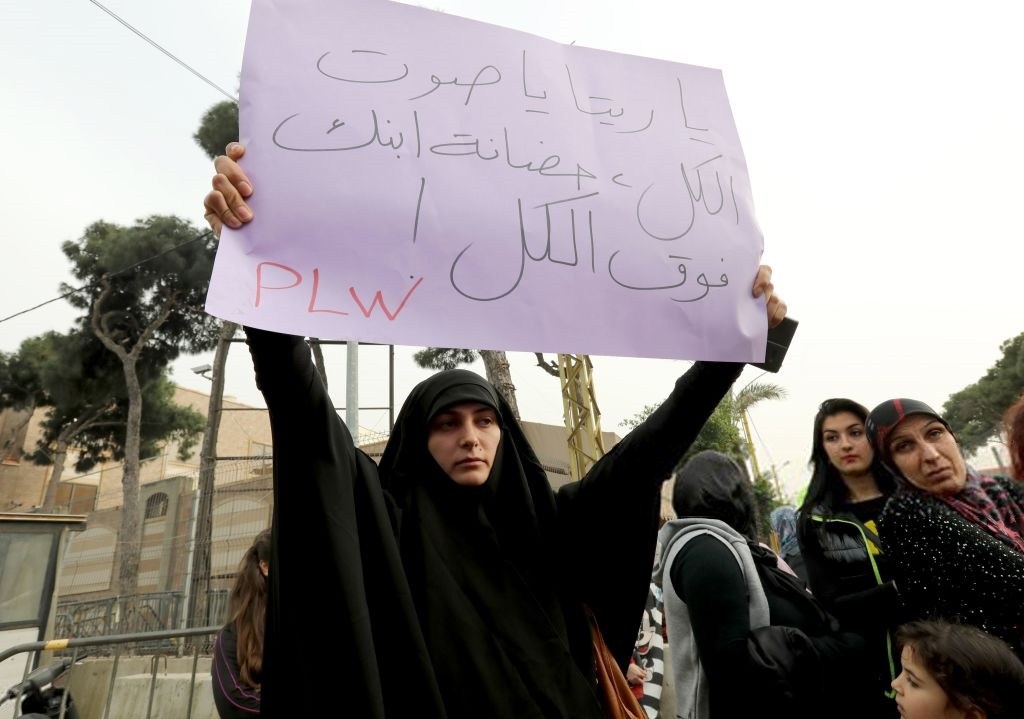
<point>241,504</point>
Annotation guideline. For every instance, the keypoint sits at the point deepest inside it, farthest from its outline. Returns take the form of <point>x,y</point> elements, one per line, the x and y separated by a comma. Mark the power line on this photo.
<point>191,70</point>
<point>176,59</point>
<point>111,274</point>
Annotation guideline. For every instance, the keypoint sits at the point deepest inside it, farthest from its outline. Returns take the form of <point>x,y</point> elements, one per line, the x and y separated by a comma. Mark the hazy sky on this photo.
<point>884,144</point>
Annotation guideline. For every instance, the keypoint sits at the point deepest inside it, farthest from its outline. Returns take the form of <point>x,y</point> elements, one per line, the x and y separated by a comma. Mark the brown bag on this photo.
<point>616,696</point>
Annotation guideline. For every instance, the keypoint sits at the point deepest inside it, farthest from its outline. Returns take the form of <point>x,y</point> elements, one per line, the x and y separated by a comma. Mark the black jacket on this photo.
<point>233,698</point>
<point>855,584</point>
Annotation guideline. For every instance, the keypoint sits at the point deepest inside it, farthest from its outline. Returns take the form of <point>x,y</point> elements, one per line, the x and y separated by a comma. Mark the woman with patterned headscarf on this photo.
<point>956,537</point>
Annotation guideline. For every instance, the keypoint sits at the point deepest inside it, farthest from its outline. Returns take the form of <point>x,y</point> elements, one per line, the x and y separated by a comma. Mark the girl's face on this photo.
<point>919,696</point>
<point>846,443</point>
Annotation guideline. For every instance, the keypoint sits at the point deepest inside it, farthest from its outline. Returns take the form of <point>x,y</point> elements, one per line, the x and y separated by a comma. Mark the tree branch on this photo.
<point>550,367</point>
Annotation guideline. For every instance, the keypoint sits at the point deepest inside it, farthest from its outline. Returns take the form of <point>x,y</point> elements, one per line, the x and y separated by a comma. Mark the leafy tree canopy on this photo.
<point>160,265</point>
<point>218,127</point>
<point>721,432</point>
<point>443,358</point>
<point>81,386</point>
<point>974,413</point>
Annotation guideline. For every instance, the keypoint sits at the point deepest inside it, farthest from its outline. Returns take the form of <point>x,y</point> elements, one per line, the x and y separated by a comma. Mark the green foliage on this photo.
<point>766,500</point>
<point>72,371</point>
<point>721,432</point>
<point>754,393</point>
<point>19,383</point>
<point>639,417</point>
<point>974,413</point>
<point>218,127</point>
<point>442,358</point>
<point>81,386</point>
<point>136,273</point>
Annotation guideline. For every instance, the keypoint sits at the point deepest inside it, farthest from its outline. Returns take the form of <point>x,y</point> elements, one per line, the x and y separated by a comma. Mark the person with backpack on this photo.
<point>748,637</point>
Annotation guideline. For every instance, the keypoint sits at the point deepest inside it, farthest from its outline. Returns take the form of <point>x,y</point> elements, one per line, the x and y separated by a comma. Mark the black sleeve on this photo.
<point>610,518</point>
<point>864,608</point>
<point>708,579</point>
<point>335,557</point>
<point>233,698</point>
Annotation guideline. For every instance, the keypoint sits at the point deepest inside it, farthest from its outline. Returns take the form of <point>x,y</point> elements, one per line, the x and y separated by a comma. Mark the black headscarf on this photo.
<point>483,566</point>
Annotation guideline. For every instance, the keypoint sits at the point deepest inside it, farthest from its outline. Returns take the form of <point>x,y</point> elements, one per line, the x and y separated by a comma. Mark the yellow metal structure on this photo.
<point>582,416</point>
<point>750,446</point>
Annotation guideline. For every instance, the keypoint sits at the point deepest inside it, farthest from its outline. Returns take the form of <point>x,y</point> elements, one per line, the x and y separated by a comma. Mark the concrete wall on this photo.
<point>170,685</point>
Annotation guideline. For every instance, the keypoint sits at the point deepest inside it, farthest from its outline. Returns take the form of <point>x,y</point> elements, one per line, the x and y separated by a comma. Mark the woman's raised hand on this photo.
<point>225,204</point>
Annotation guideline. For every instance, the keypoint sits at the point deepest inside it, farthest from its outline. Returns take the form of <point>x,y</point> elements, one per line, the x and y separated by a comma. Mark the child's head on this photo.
<point>954,671</point>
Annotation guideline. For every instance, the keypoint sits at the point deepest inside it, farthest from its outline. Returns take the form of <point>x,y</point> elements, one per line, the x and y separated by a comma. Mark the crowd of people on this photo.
<point>451,581</point>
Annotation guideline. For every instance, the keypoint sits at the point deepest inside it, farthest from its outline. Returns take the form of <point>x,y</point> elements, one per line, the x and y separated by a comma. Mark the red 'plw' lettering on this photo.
<point>378,299</point>
<point>312,297</point>
<point>259,279</point>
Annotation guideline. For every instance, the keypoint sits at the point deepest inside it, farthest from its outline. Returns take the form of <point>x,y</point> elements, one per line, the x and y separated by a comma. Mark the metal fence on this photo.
<point>101,704</point>
<point>142,613</point>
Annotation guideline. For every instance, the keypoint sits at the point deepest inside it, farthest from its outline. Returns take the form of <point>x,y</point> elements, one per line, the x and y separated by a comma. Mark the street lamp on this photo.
<point>204,371</point>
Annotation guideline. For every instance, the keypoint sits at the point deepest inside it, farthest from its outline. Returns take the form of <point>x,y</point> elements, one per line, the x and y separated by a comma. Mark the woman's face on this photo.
<point>927,454</point>
<point>918,695</point>
<point>846,443</point>
<point>463,440</point>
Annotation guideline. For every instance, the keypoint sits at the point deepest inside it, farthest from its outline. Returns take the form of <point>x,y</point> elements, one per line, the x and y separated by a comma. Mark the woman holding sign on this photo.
<point>451,581</point>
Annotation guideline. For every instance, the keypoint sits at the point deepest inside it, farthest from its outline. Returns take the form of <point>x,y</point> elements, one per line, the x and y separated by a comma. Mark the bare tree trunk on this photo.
<point>498,374</point>
<point>60,453</point>
<point>199,586</point>
<point>130,539</point>
<point>10,438</point>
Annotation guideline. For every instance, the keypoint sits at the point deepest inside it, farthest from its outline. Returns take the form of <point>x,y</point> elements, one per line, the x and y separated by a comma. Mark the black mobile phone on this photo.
<point>779,339</point>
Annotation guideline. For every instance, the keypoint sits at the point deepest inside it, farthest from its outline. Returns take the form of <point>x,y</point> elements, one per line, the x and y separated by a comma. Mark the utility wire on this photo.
<point>192,70</point>
<point>110,274</point>
<point>178,60</point>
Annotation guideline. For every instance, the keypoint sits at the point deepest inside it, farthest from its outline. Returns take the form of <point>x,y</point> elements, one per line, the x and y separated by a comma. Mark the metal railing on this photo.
<point>142,613</point>
<point>118,643</point>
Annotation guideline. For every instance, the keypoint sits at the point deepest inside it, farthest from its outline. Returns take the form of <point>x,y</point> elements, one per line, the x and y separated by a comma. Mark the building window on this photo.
<point>156,505</point>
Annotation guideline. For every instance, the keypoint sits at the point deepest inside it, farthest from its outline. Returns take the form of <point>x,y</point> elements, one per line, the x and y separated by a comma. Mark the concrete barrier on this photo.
<point>130,697</point>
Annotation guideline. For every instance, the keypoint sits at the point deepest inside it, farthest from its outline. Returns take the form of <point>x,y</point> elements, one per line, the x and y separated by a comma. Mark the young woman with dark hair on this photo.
<point>838,534</point>
<point>238,648</point>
